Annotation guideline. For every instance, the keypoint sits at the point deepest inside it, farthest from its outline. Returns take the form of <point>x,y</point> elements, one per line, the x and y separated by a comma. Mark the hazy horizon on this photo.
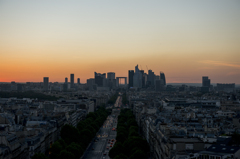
<point>174,84</point>
<point>184,39</point>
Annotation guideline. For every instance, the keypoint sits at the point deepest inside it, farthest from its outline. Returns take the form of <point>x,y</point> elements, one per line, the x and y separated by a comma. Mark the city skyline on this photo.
<point>186,40</point>
<point>76,80</point>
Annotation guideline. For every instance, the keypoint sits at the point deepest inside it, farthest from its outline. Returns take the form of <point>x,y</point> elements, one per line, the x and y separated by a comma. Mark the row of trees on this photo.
<point>124,99</point>
<point>73,140</point>
<point>129,143</point>
<point>113,99</point>
<point>27,94</point>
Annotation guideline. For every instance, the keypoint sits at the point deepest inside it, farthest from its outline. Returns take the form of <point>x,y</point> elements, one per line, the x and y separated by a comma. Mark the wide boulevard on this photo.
<point>106,136</point>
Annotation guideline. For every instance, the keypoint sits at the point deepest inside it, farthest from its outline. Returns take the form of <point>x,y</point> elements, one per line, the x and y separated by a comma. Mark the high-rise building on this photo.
<point>91,84</point>
<point>162,77</point>
<point>111,81</point>
<point>205,81</point>
<point>65,85</point>
<point>110,75</point>
<point>143,78</point>
<point>151,77</point>
<point>72,80</point>
<point>78,80</point>
<point>99,79</point>
<point>137,78</point>
<point>157,77</point>
<point>45,83</point>
<point>66,80</point>
<point>130,78</point>
<point>142,71</point>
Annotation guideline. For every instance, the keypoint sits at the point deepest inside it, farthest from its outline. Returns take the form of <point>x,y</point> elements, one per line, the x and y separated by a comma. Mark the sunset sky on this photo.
<point>185,39</point>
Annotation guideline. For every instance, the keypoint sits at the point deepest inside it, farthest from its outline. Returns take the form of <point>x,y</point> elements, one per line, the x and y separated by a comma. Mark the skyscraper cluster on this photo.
<point>101,82</point>
<point>66,85</point>
<point>136,78</point>
<point>139,79</point>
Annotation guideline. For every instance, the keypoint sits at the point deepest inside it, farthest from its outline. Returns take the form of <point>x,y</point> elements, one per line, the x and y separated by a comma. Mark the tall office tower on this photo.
<point>205,81</point>
<point>205,84</point>
<point>151,77</point>
<point>130,78</point>
<point>45,83</point>
<point>72,80</point>
<point>157,77</point>
<point>111,82</point>
<point>91,84</point>
<point>110,75</point>
<point>100,79</point>
<point>65,85</point>
<point>137,78</point>
<point>162,77</point>
<point>78,80</point>
<point>143,78</point>
<point>142,71</point>
<point>105,82</point>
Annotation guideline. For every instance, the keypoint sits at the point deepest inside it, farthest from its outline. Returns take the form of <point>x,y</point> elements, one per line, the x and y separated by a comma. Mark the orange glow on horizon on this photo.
<point>185,41</point>
<point>187,70</point>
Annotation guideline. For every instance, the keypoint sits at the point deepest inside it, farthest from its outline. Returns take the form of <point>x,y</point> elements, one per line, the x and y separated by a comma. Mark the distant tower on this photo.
<point>162,77</point>
<point>130,78</point>
<point>99,79</point>
<point>78,80</point>
<point>72,80</point>
<point>137,78</point>
<point>45,83</point>
<point>66,80</point>
<point>205,81</point>
<point>110,75</point>
<point>111,81</point>
<point>143,78</point>
<point>151,77</point>
<point>65,85</point>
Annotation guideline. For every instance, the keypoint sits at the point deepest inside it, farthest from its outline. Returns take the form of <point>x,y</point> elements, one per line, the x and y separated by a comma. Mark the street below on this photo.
<point>106,136</point>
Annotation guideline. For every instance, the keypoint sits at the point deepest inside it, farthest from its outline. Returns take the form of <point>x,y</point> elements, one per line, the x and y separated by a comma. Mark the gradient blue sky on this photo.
<point>185,39</point>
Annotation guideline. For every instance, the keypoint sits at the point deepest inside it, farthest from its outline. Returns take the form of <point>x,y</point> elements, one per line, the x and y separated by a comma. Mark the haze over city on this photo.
<point>132,79</point>
<point>184,39</point>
